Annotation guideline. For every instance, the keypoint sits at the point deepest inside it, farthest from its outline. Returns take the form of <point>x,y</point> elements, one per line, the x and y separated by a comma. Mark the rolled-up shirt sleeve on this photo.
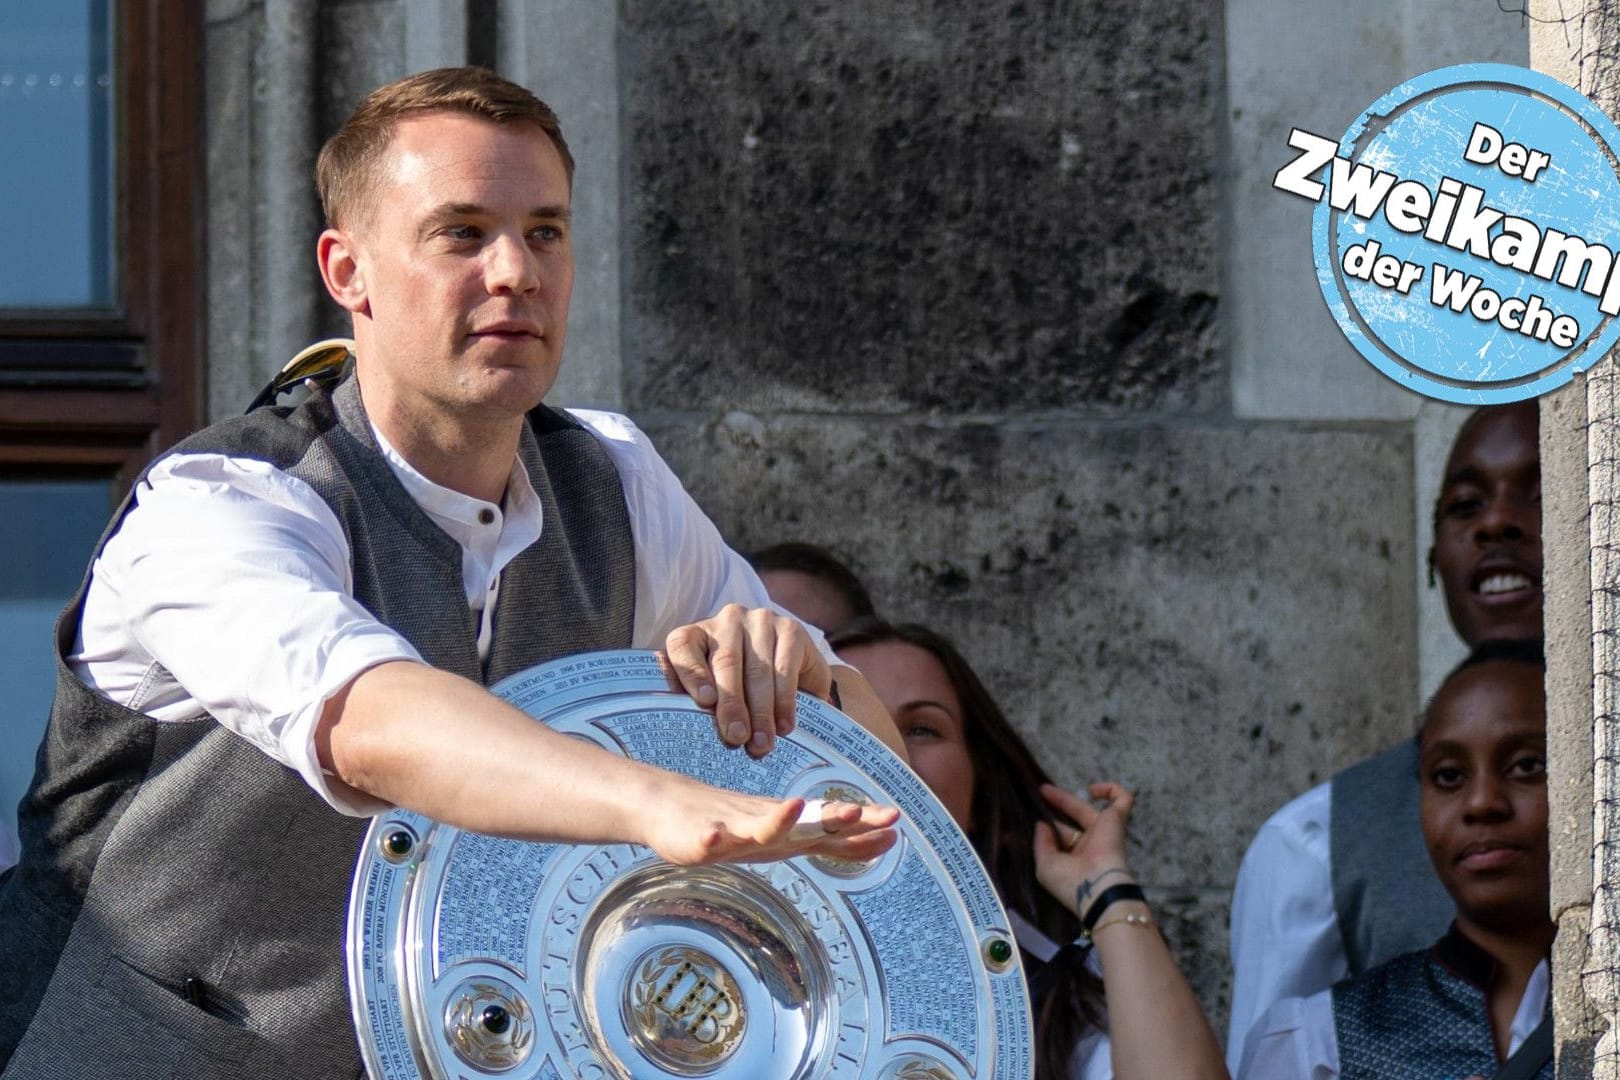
<point>232,584</point>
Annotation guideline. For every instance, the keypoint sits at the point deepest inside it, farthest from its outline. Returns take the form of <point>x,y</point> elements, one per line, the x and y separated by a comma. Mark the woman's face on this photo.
<point>913,686</point>
<point>1484,781</point>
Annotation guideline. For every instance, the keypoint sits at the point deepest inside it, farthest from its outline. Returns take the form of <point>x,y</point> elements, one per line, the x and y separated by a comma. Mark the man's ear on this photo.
<point>339,260</point>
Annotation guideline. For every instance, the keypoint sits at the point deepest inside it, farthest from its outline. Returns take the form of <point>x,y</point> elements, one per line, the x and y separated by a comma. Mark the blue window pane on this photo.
<point>56,139</point>
<point>51,527</point>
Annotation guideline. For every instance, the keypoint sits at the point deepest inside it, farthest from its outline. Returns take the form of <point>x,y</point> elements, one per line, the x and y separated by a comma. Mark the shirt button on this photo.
<point>486,516</point>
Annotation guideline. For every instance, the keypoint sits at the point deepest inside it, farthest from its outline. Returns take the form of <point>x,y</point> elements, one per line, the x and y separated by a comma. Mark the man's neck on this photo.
<point>460,453</point>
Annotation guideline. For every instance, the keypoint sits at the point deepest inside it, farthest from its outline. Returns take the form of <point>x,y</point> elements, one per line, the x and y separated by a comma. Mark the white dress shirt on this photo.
<point>1286,941</point>
<point>228,588</point>
<point>1295,1040</point>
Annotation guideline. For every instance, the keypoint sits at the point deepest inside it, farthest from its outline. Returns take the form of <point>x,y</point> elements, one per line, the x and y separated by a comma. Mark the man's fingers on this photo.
<point>760,679</point>
<point>726,667</point>
<point>860,846</point>
<point>799,666</point>
<point>842,817</point>
<point>753,829</point>
<point>686,657</point>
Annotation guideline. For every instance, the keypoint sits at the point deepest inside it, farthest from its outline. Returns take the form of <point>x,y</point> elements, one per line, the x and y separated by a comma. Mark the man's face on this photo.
<point>808,597</point>
<point>1483,774</point>
<point>1487,537</point>
<point>465,267</point>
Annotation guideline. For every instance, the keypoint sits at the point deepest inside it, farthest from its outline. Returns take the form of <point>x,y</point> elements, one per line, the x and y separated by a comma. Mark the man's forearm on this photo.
<point>435,743</point>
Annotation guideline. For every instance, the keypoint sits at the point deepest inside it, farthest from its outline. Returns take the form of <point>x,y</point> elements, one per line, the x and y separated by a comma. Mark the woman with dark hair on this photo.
<point>1109,1000</point>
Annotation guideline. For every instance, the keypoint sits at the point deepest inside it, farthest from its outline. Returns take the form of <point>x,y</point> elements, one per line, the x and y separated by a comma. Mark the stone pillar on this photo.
<point>1580,447</point>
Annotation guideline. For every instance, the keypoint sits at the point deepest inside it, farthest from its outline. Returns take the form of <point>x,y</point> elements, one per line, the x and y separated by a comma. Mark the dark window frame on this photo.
<point>114,417</point>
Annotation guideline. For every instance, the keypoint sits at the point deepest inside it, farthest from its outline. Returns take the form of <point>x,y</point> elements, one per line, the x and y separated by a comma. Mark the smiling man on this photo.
<point>291,621</point>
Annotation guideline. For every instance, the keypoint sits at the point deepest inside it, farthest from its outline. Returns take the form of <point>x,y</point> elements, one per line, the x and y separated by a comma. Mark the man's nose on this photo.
<point>510,267</point>
<point>1507,516</point>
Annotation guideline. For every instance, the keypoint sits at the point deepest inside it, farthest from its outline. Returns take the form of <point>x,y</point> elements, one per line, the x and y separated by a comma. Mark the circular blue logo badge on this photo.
<point>1466,232</point>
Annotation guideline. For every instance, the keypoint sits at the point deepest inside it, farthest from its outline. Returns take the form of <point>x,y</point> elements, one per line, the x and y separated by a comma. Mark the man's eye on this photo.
<point>546,234</point>
<point>1529,765</point>
<point>1446,776</point>
<point>1461,506</point>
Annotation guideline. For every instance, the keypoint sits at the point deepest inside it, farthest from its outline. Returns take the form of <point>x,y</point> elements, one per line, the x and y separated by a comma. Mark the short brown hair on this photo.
<point>346,171</point>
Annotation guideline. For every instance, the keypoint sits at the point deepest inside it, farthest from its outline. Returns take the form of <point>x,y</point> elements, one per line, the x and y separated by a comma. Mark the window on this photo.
<point>99,320</point>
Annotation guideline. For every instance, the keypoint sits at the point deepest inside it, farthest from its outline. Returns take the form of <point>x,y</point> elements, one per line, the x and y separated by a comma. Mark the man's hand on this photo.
<point>702,824</point>
<point>746,664</point>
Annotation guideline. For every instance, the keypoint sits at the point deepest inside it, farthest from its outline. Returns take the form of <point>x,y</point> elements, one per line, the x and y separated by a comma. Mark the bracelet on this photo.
<point>1130,918</point>
<point>1124,891</point>
<point>1082,892</point>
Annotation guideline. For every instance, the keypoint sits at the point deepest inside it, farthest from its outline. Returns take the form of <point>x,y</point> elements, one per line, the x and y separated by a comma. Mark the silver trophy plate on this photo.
<point>473,957</point>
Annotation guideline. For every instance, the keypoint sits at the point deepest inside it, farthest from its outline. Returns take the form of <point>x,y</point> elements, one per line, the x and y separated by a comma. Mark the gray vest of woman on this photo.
<point>1386,894</point>
<point>1420,1016</point>
<point>180,905</point>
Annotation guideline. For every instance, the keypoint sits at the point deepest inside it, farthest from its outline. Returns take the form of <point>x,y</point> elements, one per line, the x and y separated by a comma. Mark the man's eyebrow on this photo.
<point>1465,475</point>
<point>1470,474</point>
<point>451,211</point>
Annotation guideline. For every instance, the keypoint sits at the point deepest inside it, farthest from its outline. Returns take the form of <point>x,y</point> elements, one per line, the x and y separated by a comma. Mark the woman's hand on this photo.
<point>1075,865</point>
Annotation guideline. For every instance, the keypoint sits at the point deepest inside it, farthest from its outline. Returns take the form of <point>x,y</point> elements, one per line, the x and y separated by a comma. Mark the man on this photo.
<point>1338,880</point>
<point>289,624</point>
<point>811,583</point>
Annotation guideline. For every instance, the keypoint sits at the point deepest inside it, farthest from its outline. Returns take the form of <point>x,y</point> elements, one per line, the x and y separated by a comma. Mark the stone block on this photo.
<point>1216,617</point>
<point>959,208</point>
<point>566,52</point>
<point>362,46</point>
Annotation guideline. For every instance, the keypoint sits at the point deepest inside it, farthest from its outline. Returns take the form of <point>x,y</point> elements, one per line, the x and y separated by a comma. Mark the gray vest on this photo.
<point>180,906</point>
<point>1420,1016</point>
<point>1386,894</point>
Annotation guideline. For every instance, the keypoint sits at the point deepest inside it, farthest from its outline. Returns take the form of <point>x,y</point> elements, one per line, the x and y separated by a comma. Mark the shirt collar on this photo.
<point>464,516</point>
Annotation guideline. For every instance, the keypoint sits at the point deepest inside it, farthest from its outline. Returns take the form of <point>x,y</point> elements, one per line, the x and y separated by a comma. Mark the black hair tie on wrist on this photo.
<point>1123,891</point>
